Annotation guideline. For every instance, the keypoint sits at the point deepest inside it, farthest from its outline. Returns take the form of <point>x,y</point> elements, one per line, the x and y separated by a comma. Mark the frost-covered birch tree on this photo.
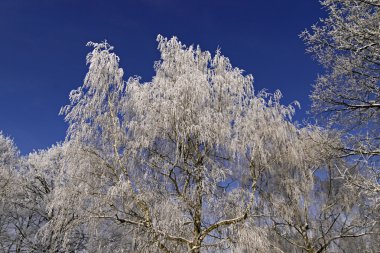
<point>347,95</point>
<point>60,230</point>
<point>29,208</point>
<point>9,183</point>
<point>21,201</point>
<point>313,210</point>
<point>347,44</point>
<point>177,164</point>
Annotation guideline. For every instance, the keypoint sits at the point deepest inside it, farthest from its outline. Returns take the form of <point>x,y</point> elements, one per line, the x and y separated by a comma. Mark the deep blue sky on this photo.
<point>43,49</point>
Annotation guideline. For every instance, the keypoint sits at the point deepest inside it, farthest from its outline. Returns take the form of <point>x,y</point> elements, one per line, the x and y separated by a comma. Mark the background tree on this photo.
<point>28,209</point>
<point>10,227</point>
<point>45,178</point>
<point>21,214</point>
<point>327,216</point>
<point>347,95</point>
<point>347,44</point>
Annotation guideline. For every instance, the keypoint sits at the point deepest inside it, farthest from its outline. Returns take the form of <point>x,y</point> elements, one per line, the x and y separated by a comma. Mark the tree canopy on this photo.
<point>197,160</point>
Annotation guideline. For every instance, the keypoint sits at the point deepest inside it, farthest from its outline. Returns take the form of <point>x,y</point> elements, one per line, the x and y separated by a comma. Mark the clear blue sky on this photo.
<point>43,49</point>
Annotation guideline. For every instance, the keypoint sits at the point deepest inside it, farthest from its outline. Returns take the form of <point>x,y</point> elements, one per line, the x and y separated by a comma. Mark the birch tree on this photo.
<point>9,160</point>
<point>325,216</point>
<point>28,208</point>
<point>347,44</point>
<point>347,95</point>
<point>176,164</point>
<point>20,215</point>
<point>44,178</point>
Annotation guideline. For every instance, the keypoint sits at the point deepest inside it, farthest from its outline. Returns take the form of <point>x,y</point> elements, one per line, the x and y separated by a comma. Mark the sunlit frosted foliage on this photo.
<point>8,152</point>
<point>93,110</point>
<point>176,164</point>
